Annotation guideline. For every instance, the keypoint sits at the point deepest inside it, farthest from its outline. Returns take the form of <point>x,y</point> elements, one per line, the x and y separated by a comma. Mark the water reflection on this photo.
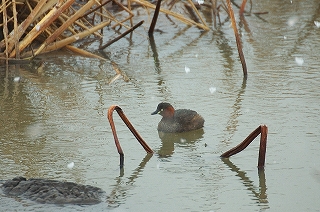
<point>155,54</point>
<point>260,194</point>
<point>27,136</point>
<point>168,141</point>
<point>233,119</point>
<point>227,53</point>
<point>304,34</point>
<point>119,193</point>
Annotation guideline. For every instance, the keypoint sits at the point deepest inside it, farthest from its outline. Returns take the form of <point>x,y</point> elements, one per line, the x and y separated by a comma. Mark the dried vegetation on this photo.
<point>32,27</point>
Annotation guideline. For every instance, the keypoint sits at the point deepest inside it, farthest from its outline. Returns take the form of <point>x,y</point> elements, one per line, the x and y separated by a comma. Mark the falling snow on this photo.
<point>187,69</point>
<point>317,23</point>
<point>182,140</point>
<point>70,165</point>
<point>292,21</point>
<point>212,89</point>
<point>200,1</point>
<point>299,61</point>
<point>16,79</point>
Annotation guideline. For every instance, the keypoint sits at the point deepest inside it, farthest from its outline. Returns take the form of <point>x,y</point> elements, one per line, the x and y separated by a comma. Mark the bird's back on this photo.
<point>183,120</point>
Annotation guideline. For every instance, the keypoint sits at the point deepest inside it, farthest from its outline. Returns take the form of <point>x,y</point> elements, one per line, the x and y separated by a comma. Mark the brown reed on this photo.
<point>33,27</point>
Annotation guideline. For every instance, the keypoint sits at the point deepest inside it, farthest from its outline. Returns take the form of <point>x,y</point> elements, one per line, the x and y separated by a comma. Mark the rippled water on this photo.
<point>56,114</point>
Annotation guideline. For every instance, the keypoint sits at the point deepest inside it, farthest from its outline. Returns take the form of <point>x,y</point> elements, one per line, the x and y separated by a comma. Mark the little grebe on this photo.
<point>177,120</point>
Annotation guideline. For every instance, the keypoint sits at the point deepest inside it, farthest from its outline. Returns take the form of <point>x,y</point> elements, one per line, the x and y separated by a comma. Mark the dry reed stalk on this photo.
<point>65,25</point>
<point>155,18</point>
<point>42,25</point>
<point>171,4</point>
<point>131,128</point>
<point>110,16</point>
<point>47,5</point>
<point>83,52</point>
<point>121,23</point>
<point>128,11</point>
<point>70,28</point>
<point>95,9</point>
<point>15,28</point>
<point>214,12</point>
<point>42,15</point>
<point>119,73</point>
<point>239,46</point>
<point>243,5</point>
<point>173,14</point>
<point>82,25</point>
<point>263,131</point>
<point>122,35</point>
<point>5,28</point>
<point>129,8</point>
<point>22,27</point>
<point>59,44</point>
<point>197,12</point>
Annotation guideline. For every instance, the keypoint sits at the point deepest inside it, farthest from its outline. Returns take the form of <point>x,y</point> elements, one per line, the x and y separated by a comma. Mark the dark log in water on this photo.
<point>52,191</point>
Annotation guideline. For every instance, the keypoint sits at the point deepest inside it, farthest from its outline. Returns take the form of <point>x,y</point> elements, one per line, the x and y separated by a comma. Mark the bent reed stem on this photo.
<point>131,128</point>
<point>263,130</point>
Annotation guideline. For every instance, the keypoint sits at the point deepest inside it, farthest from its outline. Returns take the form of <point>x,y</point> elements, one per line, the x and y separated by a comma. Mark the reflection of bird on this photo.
<point>181,120</point>
<point>171,141</point>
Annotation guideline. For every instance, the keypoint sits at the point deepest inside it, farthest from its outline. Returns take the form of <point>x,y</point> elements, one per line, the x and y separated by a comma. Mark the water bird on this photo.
<point>180,120</point>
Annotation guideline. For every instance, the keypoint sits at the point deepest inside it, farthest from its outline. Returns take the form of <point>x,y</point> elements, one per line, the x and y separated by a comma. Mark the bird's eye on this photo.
<point>161,110</point>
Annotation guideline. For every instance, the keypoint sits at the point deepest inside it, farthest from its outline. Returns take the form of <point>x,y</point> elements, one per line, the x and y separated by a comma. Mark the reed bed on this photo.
<point>32,27</point>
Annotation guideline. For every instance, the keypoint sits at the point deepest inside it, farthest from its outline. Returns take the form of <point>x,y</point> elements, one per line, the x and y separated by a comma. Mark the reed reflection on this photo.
<point>260,194</point>
<point>155,54</point>
<point>232,124</point>
<point>119,193</point>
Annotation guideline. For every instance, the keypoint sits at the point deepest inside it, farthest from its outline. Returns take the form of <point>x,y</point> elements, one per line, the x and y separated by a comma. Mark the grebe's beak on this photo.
<point>155,112</point>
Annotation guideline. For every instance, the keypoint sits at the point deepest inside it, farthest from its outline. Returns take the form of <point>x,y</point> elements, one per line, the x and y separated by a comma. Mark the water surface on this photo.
<point>53,112</point>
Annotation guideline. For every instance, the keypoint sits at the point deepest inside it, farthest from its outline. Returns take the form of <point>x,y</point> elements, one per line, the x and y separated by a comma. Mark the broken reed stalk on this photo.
<point>62,43</point>
<point>47,20</point>
<point>83,52</point>
<point>197,12</point>
<point>131,128</point>
<point>239,46</point>
<point>173,14</point>
<point>23,26</point>
<point>42,25</point>
<point>124,20</point>
<point>121,36</point>
<point>263,146</point>
<point>129,8</point>
<point>263,130</point>
<point>119,73</point>
<point>155,18</point>
<point>64,26</point>
<point>95,9</point>
<point>5,27</point>
<point>243,5</point>
<point>15,29</point>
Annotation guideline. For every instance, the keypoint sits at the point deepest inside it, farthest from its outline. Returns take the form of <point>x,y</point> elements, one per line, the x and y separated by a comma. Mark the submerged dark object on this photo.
<point>52,191</point>
<point>181,120</point>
